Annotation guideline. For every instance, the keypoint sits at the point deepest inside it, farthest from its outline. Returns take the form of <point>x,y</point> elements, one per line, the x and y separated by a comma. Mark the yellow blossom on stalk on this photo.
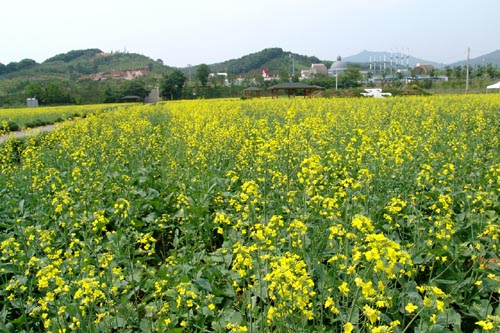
<point>290,286</point>
<point>121,207</point>
<point>235,328</point>
<point>344,289</point>
<point>395,206</point>
<point>410,307</point>
<point>249,188</point>
<point>372,314</point>
<point>362,223</point>
<point>297,230</point>
<point>366,288</point>
<point>440,305</point>
<point>485,324</point>
<point>385,328</point>
<point>330,304</point>
<point>348,327</point>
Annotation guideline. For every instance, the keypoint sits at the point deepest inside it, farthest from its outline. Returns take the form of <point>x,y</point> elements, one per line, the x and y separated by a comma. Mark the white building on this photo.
<point>337,67</point>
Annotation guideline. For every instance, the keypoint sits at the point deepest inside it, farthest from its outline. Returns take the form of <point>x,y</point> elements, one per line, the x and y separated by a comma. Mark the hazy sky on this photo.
<point>182,32</point>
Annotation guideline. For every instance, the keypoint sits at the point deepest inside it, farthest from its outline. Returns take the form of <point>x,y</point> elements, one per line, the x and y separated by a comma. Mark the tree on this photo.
<point>322,80</point>
<point>350,78</point>
<point>135,88</point>
<point>26,64</point>
<point>51,93</point>
<point>34,90</point>
<point>218,80</point>
<point>172,84</point>
<point>202,73</point>
<point>448,71</point>
<point>479,71</point>
<point>57,93</point>
<point>283,74</point>
<point>491,71</point>
<point>111,95</point>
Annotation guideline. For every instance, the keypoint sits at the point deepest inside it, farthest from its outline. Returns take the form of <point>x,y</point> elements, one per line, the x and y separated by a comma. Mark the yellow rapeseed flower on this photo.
<point>410,307</point>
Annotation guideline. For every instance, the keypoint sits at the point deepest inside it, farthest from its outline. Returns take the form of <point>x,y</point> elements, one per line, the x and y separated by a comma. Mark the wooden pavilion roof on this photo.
<point>292,88</point>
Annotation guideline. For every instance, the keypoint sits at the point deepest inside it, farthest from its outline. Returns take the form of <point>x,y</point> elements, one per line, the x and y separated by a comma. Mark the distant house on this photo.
<point>268,76</point>
<point>305,74</point>
<point>32,102</point>
<point>125,74</point>
<point>315,69</point>
<point>318,69</point>
<point>265,73</point>
<point>423,69</point>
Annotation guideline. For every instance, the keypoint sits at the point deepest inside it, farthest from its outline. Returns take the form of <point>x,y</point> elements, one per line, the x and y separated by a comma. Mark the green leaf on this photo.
<point>204,284</point>
<point>446,282</point>
<point>150,218</point>
<point>145,325</point>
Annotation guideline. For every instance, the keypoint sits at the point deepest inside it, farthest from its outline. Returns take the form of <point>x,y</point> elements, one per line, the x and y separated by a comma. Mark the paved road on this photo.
<point>28,132</point>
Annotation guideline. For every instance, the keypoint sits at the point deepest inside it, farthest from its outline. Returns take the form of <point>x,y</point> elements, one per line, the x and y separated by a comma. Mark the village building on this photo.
<point>318,69</point>
<point>423,69</point>
<point>125,74</point>
<point>314,70</point>
<point>338,67</point>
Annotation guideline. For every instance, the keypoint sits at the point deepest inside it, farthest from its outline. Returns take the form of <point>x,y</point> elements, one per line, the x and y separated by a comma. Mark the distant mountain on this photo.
<point>364,58</point>
<point>274,59</point>
<point>492,58</point>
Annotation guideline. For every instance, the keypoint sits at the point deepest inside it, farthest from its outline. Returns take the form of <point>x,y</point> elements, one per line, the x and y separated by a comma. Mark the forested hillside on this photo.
<point>272,58</point>
<point>70,77</point>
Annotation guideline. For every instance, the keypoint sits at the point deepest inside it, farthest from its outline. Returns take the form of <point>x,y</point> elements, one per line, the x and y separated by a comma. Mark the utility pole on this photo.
<point>336,79</point>
<point>391,65</point>
<point>467,73</point>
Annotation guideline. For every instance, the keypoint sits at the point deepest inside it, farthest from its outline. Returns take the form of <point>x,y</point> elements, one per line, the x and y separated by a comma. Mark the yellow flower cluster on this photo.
<point>290,288</point>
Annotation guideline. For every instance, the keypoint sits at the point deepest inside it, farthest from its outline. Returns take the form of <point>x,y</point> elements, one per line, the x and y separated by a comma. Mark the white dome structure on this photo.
<point>337,67</point>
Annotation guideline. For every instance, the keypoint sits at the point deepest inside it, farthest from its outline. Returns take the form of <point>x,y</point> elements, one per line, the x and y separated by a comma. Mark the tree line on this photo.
<point>17,66</point>
<point>176,85</point>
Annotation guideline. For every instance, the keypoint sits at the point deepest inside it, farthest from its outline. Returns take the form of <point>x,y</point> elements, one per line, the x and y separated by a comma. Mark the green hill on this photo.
<point>492,58</point>
<point>274,59</point>
<point>73,64</point>
<point>72,77</point>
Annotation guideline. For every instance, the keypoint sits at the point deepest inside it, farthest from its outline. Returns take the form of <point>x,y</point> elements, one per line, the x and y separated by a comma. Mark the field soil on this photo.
<point>27,132</point>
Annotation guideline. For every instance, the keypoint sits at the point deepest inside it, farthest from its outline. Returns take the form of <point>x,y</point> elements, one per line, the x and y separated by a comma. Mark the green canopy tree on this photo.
<point>172,84</point>
<point>50,93</point>
<point>135,88</point>
<point>34,90</point>
<point>350,78</point>
<point>202,73</point>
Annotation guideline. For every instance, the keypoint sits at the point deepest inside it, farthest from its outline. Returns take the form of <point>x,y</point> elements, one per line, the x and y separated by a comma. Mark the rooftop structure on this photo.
<point>337,67</point>
<point>292,88</point>
<point>318,69</point>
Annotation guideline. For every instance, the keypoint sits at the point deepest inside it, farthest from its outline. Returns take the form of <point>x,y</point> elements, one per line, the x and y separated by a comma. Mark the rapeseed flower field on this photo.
<point>287,215</point>
<point>21,118</point>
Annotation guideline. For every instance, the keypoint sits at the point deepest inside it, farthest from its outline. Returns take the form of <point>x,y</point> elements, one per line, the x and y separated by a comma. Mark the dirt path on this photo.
<point>28,132</point>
